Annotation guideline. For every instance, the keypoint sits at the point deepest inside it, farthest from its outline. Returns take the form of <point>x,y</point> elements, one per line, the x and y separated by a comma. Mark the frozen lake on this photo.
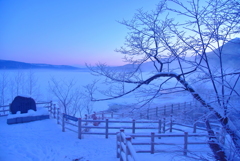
<point>18,82</point>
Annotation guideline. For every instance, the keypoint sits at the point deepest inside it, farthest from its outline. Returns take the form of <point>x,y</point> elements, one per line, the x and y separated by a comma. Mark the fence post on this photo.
<point>58,117</point>
<point>164,124</point>
<point>159,128</point>
<point>171,124</point>
<point>112,114</point>
<point>128,138</point>
<point>152,142</point>
<point>185,143</point>
<point>63,123</point>
<point>133,126</point>
<point>172,109</point>
<point>54,111</point>
<point>121,140</point>
<point>50,108</point>
<point>79,128</point>
<point>195,127</point>
<point>118,144</point>
<point>106,129</point>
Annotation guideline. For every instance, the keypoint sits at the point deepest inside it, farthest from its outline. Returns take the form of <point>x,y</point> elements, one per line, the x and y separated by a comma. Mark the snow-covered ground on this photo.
<point>44,141</point>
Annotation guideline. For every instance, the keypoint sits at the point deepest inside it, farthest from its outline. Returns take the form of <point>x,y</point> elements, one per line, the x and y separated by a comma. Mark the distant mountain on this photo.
<point>231,58</point>
<point>9,64</point>
<point>230,53</point>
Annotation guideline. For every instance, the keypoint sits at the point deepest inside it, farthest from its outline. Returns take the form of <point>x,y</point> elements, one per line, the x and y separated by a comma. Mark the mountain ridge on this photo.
<point>10,64</point>
<point>231,56</point>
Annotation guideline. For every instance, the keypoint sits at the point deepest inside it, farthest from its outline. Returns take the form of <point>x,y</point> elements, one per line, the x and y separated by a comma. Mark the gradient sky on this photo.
<point>66,32</point>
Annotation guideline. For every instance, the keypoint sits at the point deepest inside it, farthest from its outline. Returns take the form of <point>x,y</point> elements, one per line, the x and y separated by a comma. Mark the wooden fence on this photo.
<point>125,147</point>
<point>151,113</point>
<point>83,126</point>
<point>104,127</point>
<point>4,110</point>
<point>126,150</point>
<point>166,110</point>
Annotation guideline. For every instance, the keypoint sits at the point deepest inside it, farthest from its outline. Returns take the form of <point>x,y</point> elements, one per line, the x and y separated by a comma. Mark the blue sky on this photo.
<point>66,32</point>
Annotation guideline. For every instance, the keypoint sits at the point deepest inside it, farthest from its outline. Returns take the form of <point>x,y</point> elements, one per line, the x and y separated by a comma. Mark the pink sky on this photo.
<point>65,32</point>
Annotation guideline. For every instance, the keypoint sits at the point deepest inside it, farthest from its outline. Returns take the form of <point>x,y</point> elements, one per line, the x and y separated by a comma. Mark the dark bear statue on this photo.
<point>22,104</point>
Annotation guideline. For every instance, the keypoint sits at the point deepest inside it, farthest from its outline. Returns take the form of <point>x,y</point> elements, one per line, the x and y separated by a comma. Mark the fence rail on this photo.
<point>151,113</point>
<point>4,110</point>
<point>82,126</point>
<point>124,143</point>
<point>125,147</point>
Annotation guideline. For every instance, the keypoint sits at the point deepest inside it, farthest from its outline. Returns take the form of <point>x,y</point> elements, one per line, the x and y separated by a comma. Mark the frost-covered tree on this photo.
<point>71,99</point>
<point>186,42</point>
<point>32,88</point>
<point>3,87</point>
<point>17,84</point>
<point>63,91</point>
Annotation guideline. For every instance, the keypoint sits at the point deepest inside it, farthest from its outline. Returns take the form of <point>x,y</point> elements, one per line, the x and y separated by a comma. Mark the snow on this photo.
<point>40,111</point>
<point>43,140</point>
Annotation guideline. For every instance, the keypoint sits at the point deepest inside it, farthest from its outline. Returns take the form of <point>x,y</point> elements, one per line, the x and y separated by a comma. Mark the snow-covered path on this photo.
<point>43,140</point>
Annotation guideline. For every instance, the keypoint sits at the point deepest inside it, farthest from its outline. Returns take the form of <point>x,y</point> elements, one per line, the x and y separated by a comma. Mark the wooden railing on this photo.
<point>165,110</point>
<point>4,110</point>
<point>107,115</point>
<point>123,147</point>
<point>104,127</point>
<point>83,126</point>
<point>151,113</point>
